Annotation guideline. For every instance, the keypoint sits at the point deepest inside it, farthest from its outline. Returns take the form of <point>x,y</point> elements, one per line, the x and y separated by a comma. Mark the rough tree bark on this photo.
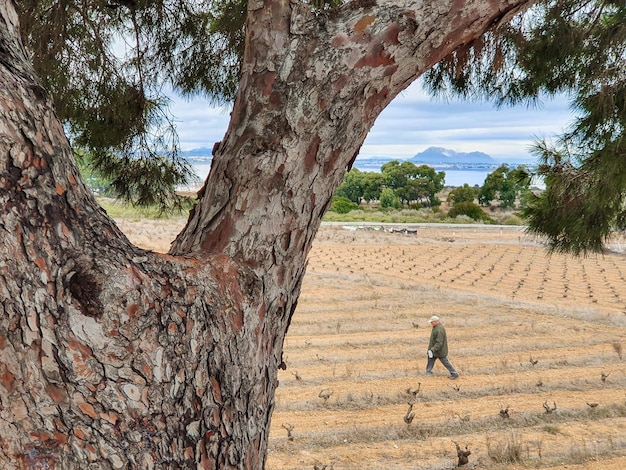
<point>113,357</point>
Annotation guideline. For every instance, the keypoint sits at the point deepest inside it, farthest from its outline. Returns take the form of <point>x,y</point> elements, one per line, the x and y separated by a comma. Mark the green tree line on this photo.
<point>400,185</point>
<point>396,186</point>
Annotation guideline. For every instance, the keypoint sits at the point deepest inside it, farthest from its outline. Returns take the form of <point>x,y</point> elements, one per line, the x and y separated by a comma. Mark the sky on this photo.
<point>412,123</point>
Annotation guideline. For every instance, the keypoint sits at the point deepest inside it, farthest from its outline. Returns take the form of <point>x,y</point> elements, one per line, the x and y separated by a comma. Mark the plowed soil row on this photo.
<point>527,331</point>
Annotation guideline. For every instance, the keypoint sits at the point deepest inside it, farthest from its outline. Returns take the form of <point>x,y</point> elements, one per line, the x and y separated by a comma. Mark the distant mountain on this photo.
<point>199,152</point>
<point>437,155</point>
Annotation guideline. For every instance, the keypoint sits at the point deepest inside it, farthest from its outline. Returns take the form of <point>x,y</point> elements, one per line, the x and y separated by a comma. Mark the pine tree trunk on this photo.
<point>113,357</point>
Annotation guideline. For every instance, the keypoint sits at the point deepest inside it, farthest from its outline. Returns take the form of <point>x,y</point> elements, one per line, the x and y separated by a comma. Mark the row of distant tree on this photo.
<point>396,185</point>
<point>405,184</point>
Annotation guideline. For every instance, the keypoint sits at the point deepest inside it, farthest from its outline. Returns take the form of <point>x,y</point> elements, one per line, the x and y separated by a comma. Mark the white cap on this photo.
<point>433,318</point>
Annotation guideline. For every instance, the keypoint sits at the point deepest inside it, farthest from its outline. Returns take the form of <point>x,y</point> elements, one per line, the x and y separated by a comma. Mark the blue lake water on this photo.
<point>459,178</point>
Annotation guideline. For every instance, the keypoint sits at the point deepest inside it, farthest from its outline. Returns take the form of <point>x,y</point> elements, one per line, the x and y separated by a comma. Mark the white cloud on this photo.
<point>199,123</point>
<point>414,122</point>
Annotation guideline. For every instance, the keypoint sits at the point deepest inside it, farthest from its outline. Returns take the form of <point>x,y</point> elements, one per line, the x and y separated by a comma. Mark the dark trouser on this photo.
<point>446,363</point>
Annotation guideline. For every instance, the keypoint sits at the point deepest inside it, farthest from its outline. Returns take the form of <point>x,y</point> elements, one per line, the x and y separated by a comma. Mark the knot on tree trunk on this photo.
<point>85,289</point>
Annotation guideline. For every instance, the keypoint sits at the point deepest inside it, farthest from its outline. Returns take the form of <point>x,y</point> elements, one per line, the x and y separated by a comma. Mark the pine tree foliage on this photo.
<point>109,65</point>
<point>576,47</point>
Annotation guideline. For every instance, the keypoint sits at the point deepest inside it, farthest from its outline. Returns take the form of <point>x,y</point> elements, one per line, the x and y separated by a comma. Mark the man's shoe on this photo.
<point>453,377</point>
<point>428,374</point>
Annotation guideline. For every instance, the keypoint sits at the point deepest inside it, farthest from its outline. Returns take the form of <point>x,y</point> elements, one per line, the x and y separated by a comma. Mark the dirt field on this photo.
<point>539,342</point>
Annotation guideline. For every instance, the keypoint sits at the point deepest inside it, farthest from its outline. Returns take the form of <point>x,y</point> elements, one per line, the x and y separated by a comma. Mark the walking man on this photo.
<point>438,348</point>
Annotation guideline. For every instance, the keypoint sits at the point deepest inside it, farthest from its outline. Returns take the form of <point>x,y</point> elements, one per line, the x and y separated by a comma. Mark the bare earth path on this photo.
<point>527,331</point>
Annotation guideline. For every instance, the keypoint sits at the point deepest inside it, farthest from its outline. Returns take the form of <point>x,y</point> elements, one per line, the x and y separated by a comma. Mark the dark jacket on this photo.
<point>438,341</point>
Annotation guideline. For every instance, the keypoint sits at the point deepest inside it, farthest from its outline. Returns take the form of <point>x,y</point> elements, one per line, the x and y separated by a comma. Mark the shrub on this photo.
<point>470,210</point>
<point>343,205</point>
<point>512,220</point>
<point>464,193</point>
<point>388,199</point>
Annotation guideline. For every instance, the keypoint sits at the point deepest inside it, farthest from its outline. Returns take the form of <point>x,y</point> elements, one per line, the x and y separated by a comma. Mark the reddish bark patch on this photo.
<point>41,436</point>
<point>281,275</point>
<point>132,310</point>
<point>60,437</point>
<point>110,417</point>
<point>377,57</point>
<point>59,189</point>
<point>217,392</point>
<point>92,450</point>
<point>310,158</point>
<point>340,40</point>
<point>88,409</point>
<point>391,33</point>
<point>331,163</point>
<point>361,26</point>
<point>457,5</point>
<point>147,371</point>
<point>265,82</point>
<point>83,349</point>
<point>132,271</point>
<point>276,99</point>
<point>41,263</point>
<point>340,83</point>
<point>356,4</point>
<point>57,394</point>
<point>409,14</point>
<point>389,71</point>
<point>205,462</point>
<point>7,378</point>
<point>81,433</point>
<point>236,320</point>
<point>435,55</point>
<point>216,241</point>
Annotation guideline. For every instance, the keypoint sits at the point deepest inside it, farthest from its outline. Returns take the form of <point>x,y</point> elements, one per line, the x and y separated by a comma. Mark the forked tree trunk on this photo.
<point>113,357</point>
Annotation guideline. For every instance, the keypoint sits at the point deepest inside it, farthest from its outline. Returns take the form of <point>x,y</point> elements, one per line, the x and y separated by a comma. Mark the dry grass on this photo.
<point>525,329</point>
